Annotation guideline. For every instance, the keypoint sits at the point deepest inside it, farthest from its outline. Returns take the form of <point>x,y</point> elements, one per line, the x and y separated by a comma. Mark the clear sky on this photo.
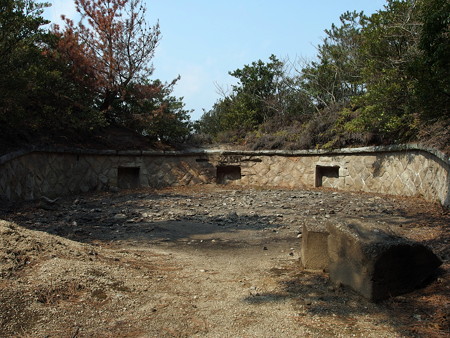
<point>202,40</point>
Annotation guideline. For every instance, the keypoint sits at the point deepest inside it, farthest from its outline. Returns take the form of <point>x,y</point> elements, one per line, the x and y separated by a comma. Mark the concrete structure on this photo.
<point>407,170</point>
<point>376,264</point>
<point>366,257</point>
<point>314,249</point>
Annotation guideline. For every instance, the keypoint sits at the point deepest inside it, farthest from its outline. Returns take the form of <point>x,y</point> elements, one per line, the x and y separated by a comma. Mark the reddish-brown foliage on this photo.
<point>110,48</point>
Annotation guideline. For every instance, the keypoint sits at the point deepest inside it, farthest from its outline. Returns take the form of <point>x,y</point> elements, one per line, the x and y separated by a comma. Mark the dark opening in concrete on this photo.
<point>128,177</point>
<point>325,171</point>
<point>228,173</point>
<point>201,160</point>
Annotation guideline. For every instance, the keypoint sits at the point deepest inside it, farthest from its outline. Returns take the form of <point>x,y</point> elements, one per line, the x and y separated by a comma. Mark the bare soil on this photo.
<point>205,261</point>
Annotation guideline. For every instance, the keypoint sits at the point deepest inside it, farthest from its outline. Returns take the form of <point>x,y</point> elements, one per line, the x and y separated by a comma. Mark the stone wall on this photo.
<point>56,173</point>
<point>412,172</point>
<point>401,170</point>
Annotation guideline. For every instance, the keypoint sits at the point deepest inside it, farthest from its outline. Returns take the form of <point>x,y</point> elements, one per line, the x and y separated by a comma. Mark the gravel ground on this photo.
<point>204,261</point>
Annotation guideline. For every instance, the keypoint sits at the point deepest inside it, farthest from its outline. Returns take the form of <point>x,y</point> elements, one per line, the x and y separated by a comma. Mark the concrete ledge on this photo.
<point>199,151</point>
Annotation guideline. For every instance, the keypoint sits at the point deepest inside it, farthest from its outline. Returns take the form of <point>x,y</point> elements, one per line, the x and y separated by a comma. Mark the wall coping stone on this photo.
<point>201,151</point>
<point>342,151</point>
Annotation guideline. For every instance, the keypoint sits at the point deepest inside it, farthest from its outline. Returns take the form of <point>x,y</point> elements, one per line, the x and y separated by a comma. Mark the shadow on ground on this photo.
<point>417,314</point>
<point>175,218</point>
<point>134,217</point>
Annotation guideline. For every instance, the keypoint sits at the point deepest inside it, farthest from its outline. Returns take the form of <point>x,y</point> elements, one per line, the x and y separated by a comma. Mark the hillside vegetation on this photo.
<point>78,79</point>
<point>377,79</point>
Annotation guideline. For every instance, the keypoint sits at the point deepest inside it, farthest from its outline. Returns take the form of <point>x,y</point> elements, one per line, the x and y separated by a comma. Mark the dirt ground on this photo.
<point>205,261</point>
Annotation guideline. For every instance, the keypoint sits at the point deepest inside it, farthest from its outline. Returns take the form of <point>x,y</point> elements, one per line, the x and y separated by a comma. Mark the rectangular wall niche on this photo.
<point>228,173</point>
<point>201,160</point>
<point>327,172</point>
<point>128,177</point>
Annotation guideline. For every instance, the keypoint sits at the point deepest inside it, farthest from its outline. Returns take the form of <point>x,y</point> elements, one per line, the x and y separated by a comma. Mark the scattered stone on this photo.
<point>75,221</point>
<point>48,203</point>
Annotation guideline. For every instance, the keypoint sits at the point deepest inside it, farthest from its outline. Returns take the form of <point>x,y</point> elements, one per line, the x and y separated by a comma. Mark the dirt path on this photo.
<point>203,261</point>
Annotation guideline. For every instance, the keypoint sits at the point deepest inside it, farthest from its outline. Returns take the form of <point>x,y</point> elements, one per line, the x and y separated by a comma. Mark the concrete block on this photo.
<point>375,263</point>
<point>314,249</point>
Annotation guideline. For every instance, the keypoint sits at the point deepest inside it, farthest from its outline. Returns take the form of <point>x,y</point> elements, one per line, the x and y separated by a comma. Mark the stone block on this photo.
<point>375,263</point>
<point>397,187</point>
<point>369,160</point>
<point>314,249</point>
<point>104,179</point>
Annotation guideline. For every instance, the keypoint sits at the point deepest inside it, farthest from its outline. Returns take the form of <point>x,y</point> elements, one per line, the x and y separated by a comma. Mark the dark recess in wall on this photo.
<point>128,177</point>
<point>325,171</point>
<point>228,173</point>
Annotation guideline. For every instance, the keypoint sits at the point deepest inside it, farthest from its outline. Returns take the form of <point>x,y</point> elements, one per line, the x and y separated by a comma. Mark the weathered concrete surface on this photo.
<point>314,249</point>
<point>376,264</point>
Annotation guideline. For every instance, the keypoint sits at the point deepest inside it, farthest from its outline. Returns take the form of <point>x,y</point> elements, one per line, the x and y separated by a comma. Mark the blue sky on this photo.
<point>203,40</point>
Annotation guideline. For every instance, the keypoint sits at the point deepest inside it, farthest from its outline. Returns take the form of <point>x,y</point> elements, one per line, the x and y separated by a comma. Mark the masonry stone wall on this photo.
<point>401,170</point>
<point>412,173</point>
<point>51,174</point>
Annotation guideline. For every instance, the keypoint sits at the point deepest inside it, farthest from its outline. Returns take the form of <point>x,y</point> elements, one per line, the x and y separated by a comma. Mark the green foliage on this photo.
<point>20,26</point>
<point>259,95</point>
<point>258,85</point>
<point>388,46</point>
<point>404,52</point>
<point>49,83</point>
<point>20,31</point>
<point>376,79</point>
<point>432,65</point>
<point>335,77</point>
<point>35,92</point>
